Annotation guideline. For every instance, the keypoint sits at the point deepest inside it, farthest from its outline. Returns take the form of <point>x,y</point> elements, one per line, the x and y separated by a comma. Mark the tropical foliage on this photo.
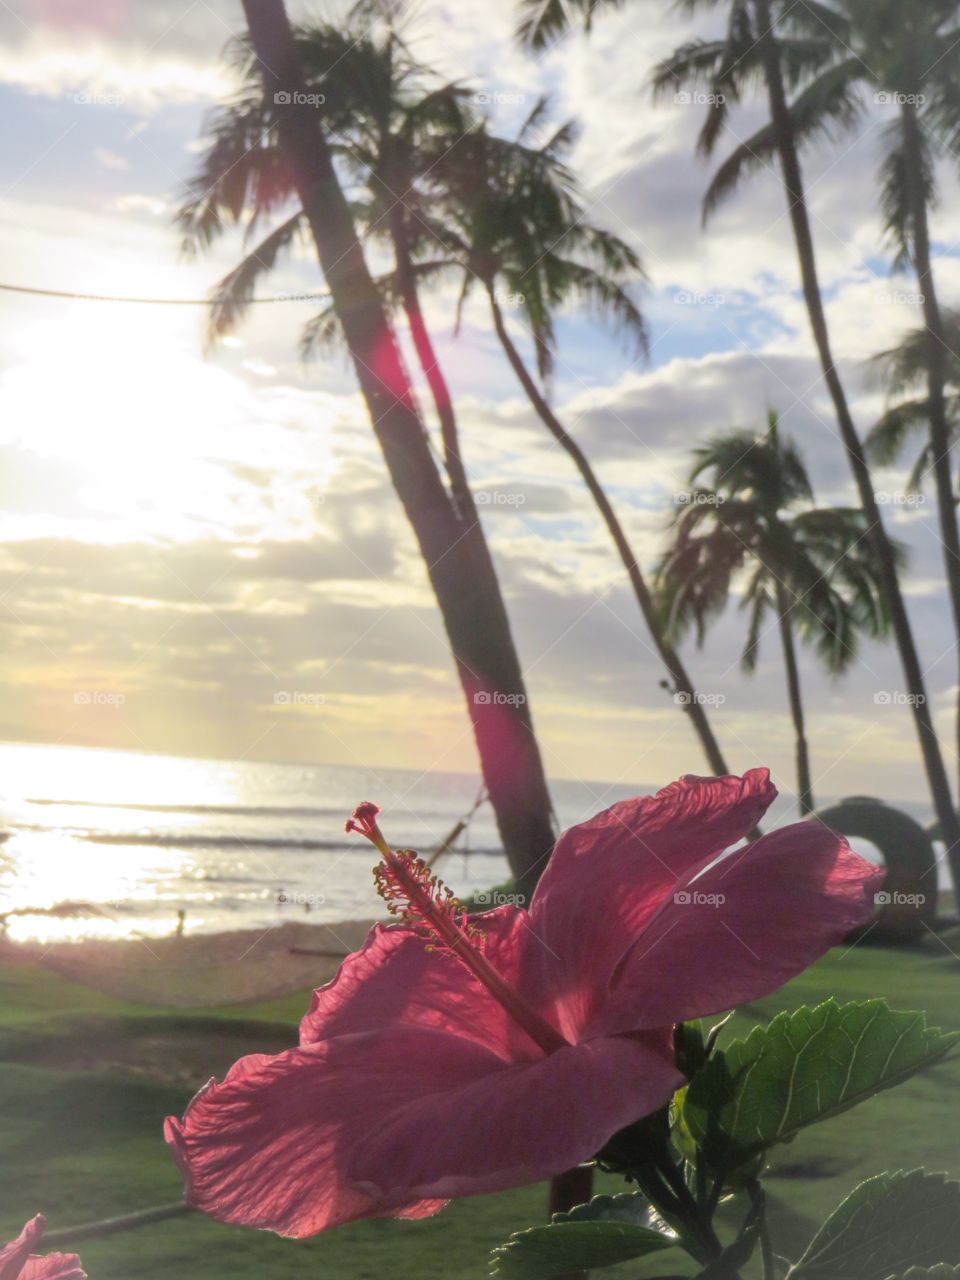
<point>752,527</point>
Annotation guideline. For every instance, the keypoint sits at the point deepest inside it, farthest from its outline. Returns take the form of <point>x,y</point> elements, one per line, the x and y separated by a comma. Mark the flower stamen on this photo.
<point>423,903</point>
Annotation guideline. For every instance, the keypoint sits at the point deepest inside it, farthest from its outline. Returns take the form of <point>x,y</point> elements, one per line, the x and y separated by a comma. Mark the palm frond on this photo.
<point>904,367</point>
<point>321,333</point>
<point>241,169</point>
<point>887,438</point>
<point>608,301</point>
<point>694,65</point>
<point>895,188</point>
<point>231,297</point>
<point>819,21</point>
<point>545,21</point>
<point>826,106</point>
<point>758,153</point>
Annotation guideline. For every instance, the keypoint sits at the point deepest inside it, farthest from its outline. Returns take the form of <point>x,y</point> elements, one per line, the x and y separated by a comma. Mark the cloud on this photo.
<point>110,160</point>
<point>206,535</point>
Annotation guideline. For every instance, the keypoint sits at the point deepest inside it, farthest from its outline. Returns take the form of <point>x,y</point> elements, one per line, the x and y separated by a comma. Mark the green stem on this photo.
<point>759,1201</point>
<point>694,1226</point>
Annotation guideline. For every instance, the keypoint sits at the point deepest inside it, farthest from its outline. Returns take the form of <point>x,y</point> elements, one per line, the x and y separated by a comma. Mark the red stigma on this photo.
<point>364,820</point>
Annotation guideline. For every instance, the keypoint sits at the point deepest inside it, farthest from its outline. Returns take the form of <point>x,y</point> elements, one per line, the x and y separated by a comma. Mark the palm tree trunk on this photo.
<point>439,391</point>
<point>903,632</point>
<point>684,691</point>
<point>469,599</point>
<point>936,368</point>
<point>804,782</point>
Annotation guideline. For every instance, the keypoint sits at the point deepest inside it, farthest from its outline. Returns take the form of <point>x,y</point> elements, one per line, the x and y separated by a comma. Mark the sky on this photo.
<point>202,554</point>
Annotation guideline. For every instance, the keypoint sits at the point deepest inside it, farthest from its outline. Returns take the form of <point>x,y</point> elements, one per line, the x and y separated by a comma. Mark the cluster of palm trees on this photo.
<point>817,63</point>
<point>752,517</point>
<point>400,162</point>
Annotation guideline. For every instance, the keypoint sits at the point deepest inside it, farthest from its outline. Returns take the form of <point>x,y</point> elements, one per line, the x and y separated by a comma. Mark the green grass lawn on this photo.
<point>87,1080</point>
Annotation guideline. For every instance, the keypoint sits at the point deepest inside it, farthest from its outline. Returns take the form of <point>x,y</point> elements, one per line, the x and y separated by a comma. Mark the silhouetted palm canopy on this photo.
<point>799,570</point>
<point>798,54</point>
<point>516,224</point>
<point>902,370</point>
<point>388,121</point>
<point>730,69</point>
<point>901,53</point>
<point>546,20</point>
<point>515,221</point>
<point>754,527</point>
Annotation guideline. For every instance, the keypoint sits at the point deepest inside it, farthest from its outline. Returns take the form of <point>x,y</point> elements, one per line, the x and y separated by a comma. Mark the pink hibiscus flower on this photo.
<point>512,1046</point>
<point>19,1262</point>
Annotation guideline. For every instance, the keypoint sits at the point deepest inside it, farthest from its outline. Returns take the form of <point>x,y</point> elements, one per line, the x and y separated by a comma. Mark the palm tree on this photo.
<point>904,371</point>
<point>388,122</point>
<point>757,48</point>
<point>513,221</point>
<point>908,56</point>
<point>752,524</point>
<point>467,593</point>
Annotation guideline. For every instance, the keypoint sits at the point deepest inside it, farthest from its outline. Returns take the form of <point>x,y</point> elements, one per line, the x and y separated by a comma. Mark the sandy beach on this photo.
<point>200,970</point>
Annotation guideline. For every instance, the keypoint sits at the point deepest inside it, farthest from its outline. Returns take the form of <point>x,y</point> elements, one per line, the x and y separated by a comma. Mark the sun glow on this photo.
<point>148,432</point>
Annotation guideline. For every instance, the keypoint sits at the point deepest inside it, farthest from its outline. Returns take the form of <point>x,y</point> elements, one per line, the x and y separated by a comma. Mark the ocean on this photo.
<point>103,844</point>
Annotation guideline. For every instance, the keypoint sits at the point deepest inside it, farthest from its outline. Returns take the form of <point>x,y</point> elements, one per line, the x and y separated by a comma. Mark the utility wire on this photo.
<point>157,302</point>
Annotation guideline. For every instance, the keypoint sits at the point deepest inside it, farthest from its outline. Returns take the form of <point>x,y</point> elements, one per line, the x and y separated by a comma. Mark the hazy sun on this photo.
<point>149,429</point>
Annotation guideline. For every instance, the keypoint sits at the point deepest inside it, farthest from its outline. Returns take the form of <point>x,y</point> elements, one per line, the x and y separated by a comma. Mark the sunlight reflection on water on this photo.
<point>104,844</point>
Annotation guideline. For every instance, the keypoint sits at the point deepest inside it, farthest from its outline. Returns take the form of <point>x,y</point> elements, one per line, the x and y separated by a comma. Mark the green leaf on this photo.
<point>887,1225</point>
<point>803,1067</point>
<point>574,1246</point>
<point>628,1206</point>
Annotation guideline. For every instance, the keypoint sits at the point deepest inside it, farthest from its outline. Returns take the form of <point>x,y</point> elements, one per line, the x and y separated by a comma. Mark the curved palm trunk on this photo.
<point>937,350</point>
<point>683,686</point>
<point>804,782</point>
<point>880,541</point>
<point>439,391</point>
<point>468,597</point>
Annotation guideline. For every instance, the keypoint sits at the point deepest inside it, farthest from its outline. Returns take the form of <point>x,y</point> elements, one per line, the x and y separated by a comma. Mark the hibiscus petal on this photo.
<point>608,876</point>
<point>393,1124</point>
<point>17,1262</point>
<point>741,928</point>
<point>54,1266</point>
<point>522,1125</point>
<point>394,980</point>
<point>15,1254</point>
